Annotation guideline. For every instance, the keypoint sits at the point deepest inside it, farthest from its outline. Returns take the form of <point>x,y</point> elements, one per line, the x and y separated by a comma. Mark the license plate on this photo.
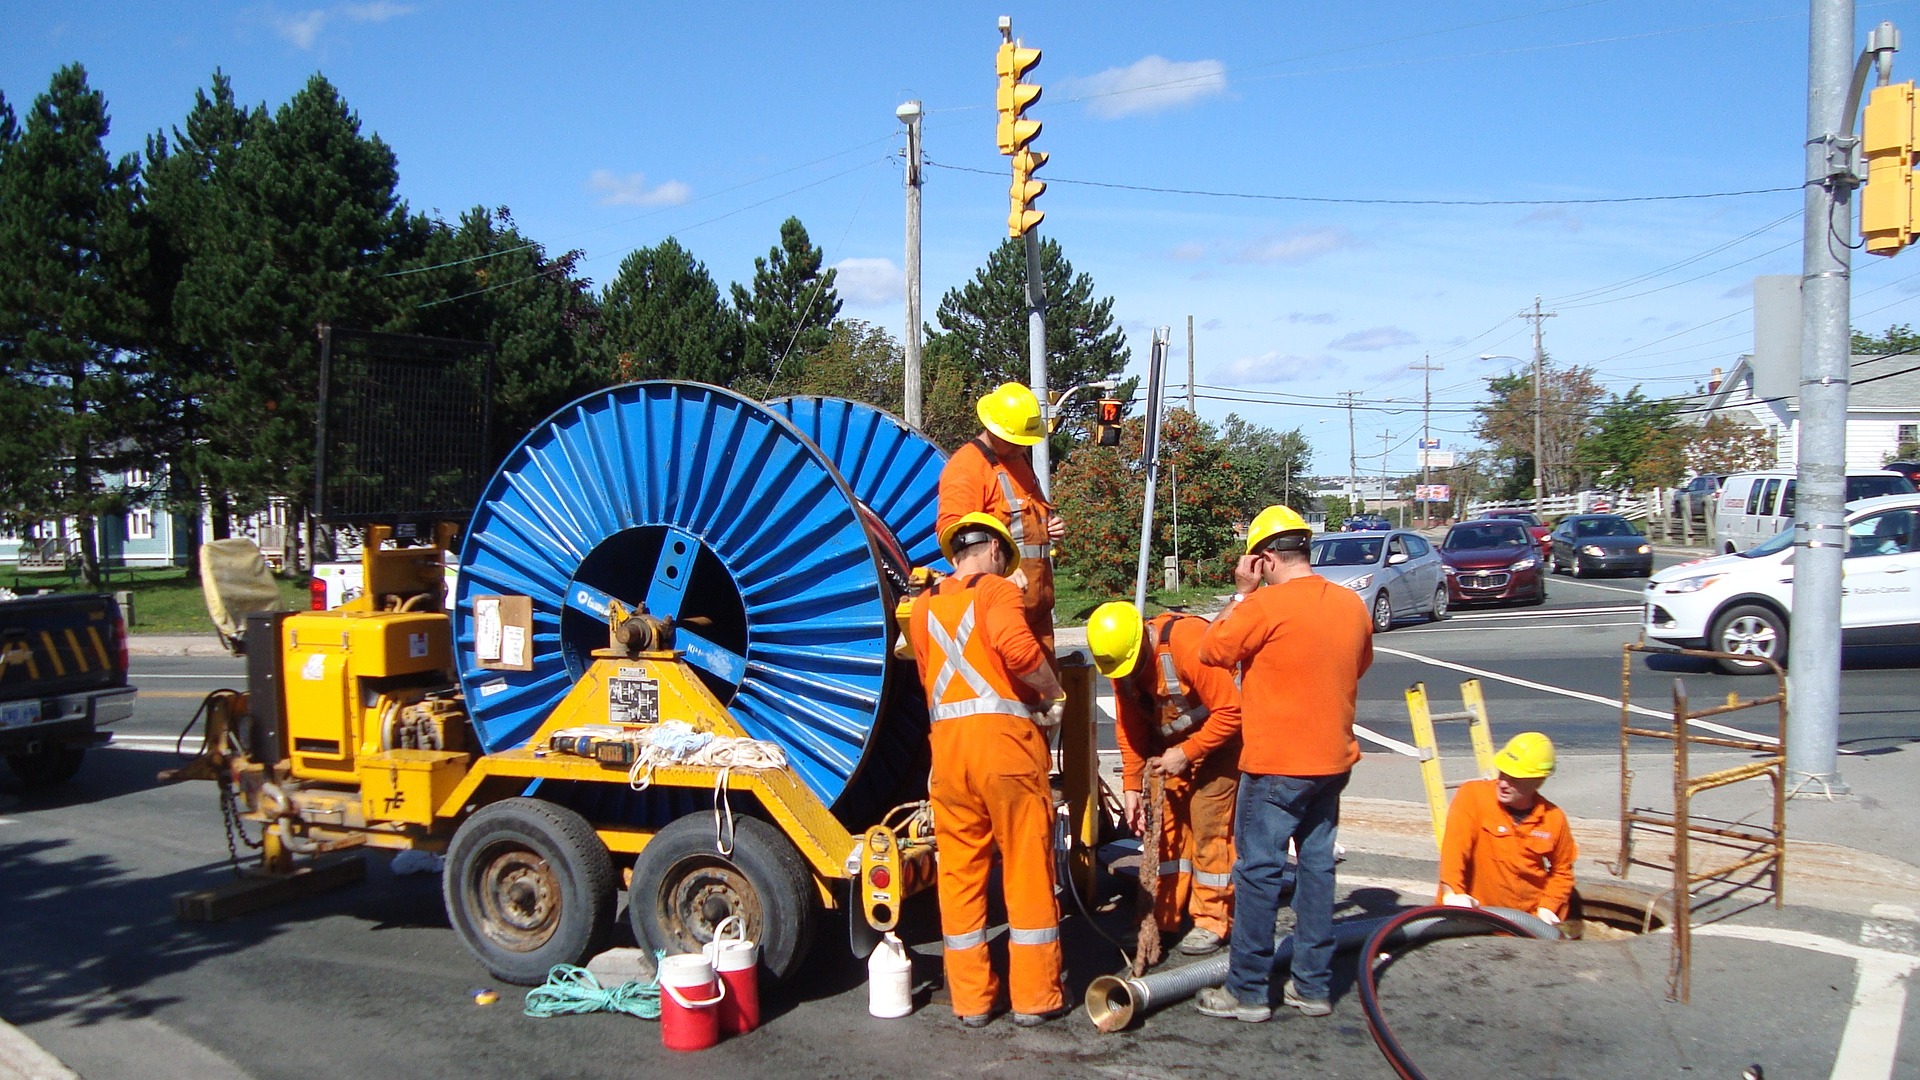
<point>19,713</point>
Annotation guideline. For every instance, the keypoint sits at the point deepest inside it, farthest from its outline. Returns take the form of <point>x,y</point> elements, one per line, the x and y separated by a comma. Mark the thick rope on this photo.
<point>1146,951</point>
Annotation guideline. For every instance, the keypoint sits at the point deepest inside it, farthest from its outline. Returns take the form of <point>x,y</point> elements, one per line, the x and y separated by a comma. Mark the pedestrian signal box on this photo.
<point>1106,424</point>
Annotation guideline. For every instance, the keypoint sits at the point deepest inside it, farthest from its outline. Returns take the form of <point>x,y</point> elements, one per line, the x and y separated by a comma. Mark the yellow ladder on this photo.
<point>1424,738</point>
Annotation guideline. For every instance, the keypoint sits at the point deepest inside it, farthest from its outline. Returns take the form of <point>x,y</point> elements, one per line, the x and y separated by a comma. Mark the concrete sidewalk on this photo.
<point>175,645</point>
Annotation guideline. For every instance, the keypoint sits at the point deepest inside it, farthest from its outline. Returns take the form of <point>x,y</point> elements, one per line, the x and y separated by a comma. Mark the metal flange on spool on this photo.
<point>777,536</point>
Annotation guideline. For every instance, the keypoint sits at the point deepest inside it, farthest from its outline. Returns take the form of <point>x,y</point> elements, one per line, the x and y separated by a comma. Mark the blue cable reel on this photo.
<point>721,513</point>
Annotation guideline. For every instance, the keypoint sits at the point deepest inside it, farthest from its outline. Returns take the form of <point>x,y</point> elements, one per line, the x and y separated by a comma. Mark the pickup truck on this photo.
<point>63,676</point>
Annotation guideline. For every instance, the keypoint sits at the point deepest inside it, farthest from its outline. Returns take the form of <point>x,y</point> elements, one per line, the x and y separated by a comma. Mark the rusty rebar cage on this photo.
<point>1762,849</point>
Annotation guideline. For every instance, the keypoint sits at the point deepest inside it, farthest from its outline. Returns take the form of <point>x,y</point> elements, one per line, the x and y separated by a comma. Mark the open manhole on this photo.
<point>1605,911</point>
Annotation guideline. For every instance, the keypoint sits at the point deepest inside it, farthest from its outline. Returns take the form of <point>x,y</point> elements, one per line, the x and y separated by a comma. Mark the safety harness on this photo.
<point>954,663</point>
<point>1018,526</point>
<point>1179,713</point>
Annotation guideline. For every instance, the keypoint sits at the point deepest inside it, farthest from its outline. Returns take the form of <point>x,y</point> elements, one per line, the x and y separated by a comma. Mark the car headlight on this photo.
<point>1692,584</point>
<point>1360,583</point>
<point>1448,570</point>
<point>1643,549</point>
<point>1527,563</point>
<point>1593,549</point>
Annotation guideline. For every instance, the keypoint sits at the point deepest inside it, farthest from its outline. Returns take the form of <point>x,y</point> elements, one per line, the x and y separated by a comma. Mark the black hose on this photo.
<point>1403,1066</point>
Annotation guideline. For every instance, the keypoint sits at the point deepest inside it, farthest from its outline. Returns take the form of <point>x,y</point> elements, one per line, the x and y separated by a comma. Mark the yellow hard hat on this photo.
<point>1113,636</point>
<point>1012,412</point>
<point>966,529</point>
<point>1527,756</point>
<point>1272,522</point>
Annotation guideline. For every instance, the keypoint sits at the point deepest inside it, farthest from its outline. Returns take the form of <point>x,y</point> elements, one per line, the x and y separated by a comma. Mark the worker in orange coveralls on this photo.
<point>993,474</point>
<point>990,692</point>
<point>1504,845</point>
<point>1180,718</point>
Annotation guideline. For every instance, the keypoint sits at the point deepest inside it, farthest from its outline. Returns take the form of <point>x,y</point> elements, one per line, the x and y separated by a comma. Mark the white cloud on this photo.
<point>302,28</point>
<point>1191,251</point>
<point>1375,339</point>
<point>1298,246</point>
<point>632,190</point>
<point>1554,215</point>
<point>1274,366</point>
<point>1742,291</point>
<point>870,282</point>
<point>1149,85</point>
<point>1317,318</point>
<point>1212,324</point>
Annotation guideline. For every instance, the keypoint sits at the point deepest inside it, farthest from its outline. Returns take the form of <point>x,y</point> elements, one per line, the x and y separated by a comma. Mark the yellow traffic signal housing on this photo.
<point>1888,211</point>
<point>1024,190</point>
<point>1015,97</point>
<point>1106,424</point>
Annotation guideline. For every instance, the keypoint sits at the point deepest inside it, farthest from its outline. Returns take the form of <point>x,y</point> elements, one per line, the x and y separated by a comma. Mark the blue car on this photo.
<point>1366,523</point>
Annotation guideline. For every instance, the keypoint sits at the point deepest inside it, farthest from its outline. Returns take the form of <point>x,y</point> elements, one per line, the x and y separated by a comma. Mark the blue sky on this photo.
<point>610,126</point>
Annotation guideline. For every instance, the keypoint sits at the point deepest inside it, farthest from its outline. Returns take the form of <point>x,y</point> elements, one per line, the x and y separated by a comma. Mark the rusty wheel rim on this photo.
<point>518,899</point>
<point>698,894</point>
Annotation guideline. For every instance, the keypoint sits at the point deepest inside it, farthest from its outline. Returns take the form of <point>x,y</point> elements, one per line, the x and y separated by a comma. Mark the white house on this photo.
<point>1883,408</point>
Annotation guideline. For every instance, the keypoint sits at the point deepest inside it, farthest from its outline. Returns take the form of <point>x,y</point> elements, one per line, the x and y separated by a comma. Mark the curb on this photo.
<point>23,1059</point>
<point>173,645</point>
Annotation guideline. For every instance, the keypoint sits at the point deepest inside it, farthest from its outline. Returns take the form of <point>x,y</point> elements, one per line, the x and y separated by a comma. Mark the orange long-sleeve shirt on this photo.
<point>969,484</point>
<point>1523,863</point>
<point>1136,698</point>
<point>1302,646</point>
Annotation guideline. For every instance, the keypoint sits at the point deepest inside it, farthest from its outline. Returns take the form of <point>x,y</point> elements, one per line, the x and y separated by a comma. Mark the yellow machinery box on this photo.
<point>405,785</point>
<point>326,653</point>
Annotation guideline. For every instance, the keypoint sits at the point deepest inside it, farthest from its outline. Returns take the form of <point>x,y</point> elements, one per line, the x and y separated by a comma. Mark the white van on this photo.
<point>1754,506</point>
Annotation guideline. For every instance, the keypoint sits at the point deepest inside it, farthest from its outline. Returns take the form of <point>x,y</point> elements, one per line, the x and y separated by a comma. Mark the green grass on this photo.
<point>1073,602</point>
<point>165,601</point>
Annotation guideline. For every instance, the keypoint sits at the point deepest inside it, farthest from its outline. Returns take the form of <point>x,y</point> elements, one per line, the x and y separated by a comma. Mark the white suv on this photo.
<point>1740,603</point>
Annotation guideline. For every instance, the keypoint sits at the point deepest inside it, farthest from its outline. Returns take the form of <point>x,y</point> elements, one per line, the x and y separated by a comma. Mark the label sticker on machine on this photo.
<point>632,697</point>
<point>315,668</point>
<point>416,645</point>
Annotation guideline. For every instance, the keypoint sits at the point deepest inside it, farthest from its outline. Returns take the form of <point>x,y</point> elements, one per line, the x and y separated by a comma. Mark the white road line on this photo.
<point>1872,1034</point>
<point>1544,688</point>
<point>220,678</point>
<point>1496,629</point>
<point>154,744</point>
<point>1395,745</point>
<point>1543,613</point>
<point>1594,585</point>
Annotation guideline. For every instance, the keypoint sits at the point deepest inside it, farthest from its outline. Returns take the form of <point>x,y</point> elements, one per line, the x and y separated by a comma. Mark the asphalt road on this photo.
<point>370,980</point>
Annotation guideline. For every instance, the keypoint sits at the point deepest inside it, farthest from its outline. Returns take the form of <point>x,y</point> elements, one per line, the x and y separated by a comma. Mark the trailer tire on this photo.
<point>528,885</point>
<point>48,765</point>
<point>683,887</point>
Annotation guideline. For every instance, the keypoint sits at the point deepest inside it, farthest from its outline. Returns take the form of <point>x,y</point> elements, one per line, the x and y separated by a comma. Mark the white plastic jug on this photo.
<point>890,979</point>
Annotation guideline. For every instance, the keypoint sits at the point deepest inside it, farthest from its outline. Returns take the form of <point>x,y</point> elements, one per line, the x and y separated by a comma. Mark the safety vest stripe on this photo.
<point>1176,866</point>
<point>1018,527</point>
<point>954,661</point>
<point>1046,935</point>
<point>1169,680</point>
<point>1185,720</point>
<point>1218,881</point>
<point>1033,551</point>
<point>979,707</point>
<point>973,939</point>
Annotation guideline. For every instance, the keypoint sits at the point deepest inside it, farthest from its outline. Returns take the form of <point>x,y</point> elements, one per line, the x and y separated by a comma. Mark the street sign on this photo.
<point>1429,444</point>
<point>1433,492</point>
<point>1436,459</point>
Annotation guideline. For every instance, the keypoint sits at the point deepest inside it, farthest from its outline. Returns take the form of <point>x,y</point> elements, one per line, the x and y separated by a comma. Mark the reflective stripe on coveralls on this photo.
<point>1019,526</point>
<point>1191,716</point>
<point>970,940</point>
<point>1195,843</point>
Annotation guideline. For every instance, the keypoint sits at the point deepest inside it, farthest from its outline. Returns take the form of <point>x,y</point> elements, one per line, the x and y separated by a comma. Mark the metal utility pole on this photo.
<point>1384,436</point>
<point>1834,84</point>
<point>1192,402</point>
<point>1427,367</point>
<point>1539,376</point>
<point>1037,360</point>
<point>915,384</point>
<point>1150,455</point>
<point>1353,459</point>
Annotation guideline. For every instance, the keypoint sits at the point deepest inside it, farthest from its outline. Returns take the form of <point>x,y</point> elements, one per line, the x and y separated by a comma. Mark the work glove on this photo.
<point>1459,899</point>
<point>1051,717</point>
<point>1547,917</point>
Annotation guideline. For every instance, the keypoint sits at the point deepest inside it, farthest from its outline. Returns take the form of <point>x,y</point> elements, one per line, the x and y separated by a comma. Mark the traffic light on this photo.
<point>1025,189</point>
<point>1015,97</point>
<point>1888,212</point>
<point>1106,423</point>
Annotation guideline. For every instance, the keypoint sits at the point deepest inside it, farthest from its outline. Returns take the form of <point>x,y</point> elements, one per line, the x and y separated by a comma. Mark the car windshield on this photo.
<point>1484,537</point>
<point>1355,552</point>
<point>1604,527</point>
<point>1780,541</point>
<point>1867,487</point>
<point>1523,517</point>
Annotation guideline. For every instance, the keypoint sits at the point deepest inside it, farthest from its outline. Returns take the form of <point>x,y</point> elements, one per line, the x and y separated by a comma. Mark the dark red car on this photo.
<point>1908,469</point>
<point>1531,520</point>
<point>1492,561</point>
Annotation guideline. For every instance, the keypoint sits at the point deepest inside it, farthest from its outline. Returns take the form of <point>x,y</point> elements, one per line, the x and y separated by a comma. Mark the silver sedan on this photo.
<point>1397,573</point>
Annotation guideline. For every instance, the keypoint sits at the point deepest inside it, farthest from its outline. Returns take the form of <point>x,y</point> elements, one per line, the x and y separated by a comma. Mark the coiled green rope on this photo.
<point>570,990</point>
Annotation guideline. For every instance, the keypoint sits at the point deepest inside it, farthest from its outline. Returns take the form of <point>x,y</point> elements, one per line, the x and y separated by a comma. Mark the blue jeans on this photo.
<point>1272,810</point>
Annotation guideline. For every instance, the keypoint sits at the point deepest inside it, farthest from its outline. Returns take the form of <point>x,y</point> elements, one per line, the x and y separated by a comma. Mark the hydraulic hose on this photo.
<point>1385,935</point>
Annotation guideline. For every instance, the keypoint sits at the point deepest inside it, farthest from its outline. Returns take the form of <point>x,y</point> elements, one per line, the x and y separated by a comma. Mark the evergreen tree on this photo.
<point>298,223</point>
<point>1269,466</point>
<point>984,324</point>
<point>663,318</point>
<point>792,306</point>
<point>70,251</point>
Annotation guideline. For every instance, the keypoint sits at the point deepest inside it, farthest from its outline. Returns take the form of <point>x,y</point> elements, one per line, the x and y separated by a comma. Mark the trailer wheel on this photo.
<point>683,887</point>
<point>529,885</point>
<point>47,764</point>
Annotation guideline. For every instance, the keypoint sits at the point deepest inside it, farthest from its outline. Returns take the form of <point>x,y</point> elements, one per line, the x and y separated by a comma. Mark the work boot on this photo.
<point>1200,941</point>
<point>1219,1001</point>
<point>1307,1006</point>
<point>1028,1020</point>
<point>977,1020</point>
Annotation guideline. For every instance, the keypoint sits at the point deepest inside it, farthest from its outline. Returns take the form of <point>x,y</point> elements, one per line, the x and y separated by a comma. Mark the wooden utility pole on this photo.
<point>1192,402</point>
<point>1353,458</point>
<point>915,383</point>
<point>1539,377</point>
<point>1427,367</point>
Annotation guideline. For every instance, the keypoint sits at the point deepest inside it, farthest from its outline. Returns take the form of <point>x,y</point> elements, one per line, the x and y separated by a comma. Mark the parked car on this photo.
<point>1397,573</point>
<point>1525,517</point>
<point>1599,543</point>
<point>63,677</point>
<point>1908,469</point>
<point>1692,498</point>
<point>1366,523</point>
<point>1492,560</point>
<point>1742,603</point>
<point>1755,506</point>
